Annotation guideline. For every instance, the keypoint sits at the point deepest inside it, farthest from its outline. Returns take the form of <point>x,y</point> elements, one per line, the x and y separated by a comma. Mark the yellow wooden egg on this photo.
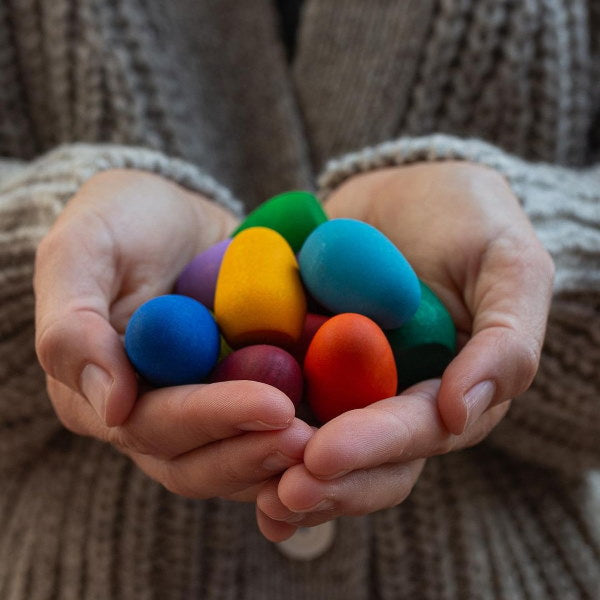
<point>259,297</point>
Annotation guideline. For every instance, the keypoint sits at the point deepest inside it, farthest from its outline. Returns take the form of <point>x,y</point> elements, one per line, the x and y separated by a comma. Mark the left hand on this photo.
<point>465,234</point>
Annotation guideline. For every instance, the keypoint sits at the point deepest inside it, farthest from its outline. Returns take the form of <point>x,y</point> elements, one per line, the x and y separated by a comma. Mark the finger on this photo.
<point>395,430</point>
<point>510,301</point>
<point>171,421</point>
<point>304,501</point>
<point>75,342</point>
<point>247,495</point>
<point>274,528</point>
<point>274,531</point>
<point>231,465</point>
<point>235,472</point>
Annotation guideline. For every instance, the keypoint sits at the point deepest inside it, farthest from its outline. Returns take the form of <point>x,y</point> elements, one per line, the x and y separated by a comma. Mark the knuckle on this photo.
<point>47,344</point>
<point>47,247</point>
<point>547,264</point>
<point>404,434</point>
<point>231,475</point>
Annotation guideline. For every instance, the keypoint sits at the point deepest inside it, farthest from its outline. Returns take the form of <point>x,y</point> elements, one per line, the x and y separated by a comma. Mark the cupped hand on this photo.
<point>467,237</point>
<point>120,241</point>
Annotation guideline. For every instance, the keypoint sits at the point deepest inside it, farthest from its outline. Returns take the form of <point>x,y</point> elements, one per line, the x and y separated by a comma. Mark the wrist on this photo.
<point>363,195</point>
<point>215,222</point>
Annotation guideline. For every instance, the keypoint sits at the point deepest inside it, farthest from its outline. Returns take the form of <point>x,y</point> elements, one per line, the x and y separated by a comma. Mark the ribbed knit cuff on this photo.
<point>437,147</point>
<point>73,164</point>
<point>557,422</point>
<point>31,197</point>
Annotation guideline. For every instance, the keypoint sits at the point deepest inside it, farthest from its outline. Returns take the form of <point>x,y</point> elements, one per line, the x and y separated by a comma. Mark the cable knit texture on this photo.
<point>200,92</point>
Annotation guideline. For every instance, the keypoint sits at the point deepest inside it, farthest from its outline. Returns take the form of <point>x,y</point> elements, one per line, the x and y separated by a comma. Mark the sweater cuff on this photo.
<point>67,167</point>
<point>436,147</point>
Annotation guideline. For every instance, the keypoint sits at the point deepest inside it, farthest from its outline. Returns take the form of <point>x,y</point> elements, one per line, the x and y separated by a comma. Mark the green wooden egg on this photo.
<point>225,349</point>
<point>424,346</point>
<point>292,214</point>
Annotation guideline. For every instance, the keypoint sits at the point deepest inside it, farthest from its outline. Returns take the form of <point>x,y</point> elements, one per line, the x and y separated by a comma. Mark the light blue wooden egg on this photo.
<point>349,266</point>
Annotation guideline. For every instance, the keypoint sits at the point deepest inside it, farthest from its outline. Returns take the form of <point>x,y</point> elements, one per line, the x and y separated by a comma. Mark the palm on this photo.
<point>445,228</point>
<point>139,239</point>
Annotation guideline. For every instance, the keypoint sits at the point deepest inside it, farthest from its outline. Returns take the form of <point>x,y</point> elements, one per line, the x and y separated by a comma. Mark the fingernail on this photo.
<point>95,384</point>
<point>477,399</point>
<point>278,462</point>
<point>262,426</point>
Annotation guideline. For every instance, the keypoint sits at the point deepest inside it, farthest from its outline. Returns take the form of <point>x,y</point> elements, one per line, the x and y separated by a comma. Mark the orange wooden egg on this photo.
<point>259,297</point>
<point>349,364</point>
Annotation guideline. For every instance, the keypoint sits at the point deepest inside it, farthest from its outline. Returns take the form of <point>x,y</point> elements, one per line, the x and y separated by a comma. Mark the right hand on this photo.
<point>120,241</point>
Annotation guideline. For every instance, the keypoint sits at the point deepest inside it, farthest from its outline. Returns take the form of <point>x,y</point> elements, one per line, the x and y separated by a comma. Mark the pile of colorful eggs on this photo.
<point>326,310</point>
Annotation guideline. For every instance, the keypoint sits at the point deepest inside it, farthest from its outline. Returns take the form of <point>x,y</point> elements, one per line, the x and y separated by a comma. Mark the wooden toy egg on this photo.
<point>172,340</point>
<point>199,278</point>
<point>349,364</point>
<point>224,349</point>
<point>259,297</point>
<point>267,364</point>
<point>349,266</point>
<point>292,214</point>
<point>424,346</point>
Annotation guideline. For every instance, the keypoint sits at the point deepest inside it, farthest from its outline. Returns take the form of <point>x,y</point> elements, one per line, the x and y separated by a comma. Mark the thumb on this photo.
<point>510,301</point>
<point>75,342</point>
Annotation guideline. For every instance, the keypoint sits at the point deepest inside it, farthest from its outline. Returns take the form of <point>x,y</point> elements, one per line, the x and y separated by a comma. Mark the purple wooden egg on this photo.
<point>199,278</point>
<point>264,363</point>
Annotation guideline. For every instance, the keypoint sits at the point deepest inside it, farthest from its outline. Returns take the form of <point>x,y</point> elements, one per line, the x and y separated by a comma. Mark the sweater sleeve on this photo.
<point>31,197</point>
<point>556,422</point>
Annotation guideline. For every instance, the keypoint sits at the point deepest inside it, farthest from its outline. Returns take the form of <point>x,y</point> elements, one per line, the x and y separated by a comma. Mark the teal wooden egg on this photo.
<point>292,214</point>
<point>424,346</point>
<point>351,267</point>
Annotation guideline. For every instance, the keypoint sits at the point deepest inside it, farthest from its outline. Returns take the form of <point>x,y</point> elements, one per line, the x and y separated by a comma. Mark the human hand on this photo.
<point>462,229</point>
<point>120,241</point>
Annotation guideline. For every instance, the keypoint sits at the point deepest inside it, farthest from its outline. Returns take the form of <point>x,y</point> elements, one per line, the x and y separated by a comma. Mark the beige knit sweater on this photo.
<point>200,92</point>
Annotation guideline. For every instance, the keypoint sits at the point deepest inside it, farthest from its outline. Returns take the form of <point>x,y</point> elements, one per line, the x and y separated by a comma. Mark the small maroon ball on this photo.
<point>266,364</point>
